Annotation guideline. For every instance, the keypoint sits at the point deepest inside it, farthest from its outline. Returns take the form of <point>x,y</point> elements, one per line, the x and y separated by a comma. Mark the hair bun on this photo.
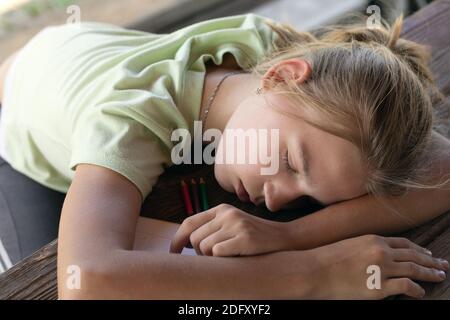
<point>413,54</point>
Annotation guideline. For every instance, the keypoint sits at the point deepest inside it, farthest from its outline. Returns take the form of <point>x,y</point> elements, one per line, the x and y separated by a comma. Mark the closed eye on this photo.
<point>286,162</point>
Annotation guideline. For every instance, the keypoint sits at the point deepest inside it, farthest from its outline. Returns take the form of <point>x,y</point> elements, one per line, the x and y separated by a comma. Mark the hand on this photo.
<point>340,269</point>
<point>224,230</point>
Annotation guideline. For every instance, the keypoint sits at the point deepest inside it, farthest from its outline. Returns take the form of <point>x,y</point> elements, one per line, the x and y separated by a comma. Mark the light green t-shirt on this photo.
<point>101,94</point>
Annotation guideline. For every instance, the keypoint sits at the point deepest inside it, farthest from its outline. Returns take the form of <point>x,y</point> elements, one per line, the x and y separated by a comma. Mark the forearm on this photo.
<point>97,235</point>
<point>159,275</point>
<point>366,215</point>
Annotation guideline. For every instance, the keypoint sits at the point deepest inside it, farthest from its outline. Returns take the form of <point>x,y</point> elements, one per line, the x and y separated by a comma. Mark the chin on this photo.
<point>219,175</point>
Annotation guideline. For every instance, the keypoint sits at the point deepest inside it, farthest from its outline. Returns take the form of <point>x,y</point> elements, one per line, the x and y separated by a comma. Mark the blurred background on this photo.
<point>21,19</point>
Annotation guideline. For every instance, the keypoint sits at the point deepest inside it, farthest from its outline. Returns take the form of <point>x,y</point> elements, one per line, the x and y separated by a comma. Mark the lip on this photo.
<point>242,193</point>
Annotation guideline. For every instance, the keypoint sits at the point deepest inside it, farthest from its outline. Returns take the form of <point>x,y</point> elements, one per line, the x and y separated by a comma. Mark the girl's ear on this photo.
<point>297,69</point>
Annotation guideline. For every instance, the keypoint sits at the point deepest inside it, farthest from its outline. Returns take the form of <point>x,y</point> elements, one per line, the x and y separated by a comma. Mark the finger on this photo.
<point>405,255</point>
<point>396,242</point>
<point>226,248</point>
<point>417,272</point>
<point>203,232</point>
<point>207,244</point>
<point>403,286</point>
<point>189,225</point>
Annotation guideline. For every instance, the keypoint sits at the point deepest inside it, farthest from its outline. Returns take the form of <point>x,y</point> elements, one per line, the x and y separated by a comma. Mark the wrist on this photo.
<point>299,274</point>
<point>292,234</point>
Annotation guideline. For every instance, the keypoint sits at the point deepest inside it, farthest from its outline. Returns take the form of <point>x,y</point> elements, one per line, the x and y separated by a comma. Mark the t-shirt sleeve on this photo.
<point>113,139</point>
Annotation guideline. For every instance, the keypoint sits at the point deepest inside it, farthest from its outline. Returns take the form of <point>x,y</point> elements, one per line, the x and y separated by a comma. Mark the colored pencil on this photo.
<point>204,199</point>
<point>186,198</point>
<point>195,197</point>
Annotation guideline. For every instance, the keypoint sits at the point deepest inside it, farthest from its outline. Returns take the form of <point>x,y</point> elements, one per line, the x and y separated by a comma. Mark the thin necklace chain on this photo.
<point>213,95</point>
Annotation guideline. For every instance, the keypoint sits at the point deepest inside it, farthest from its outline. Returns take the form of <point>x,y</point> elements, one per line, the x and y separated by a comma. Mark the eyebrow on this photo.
<point>303,156</point>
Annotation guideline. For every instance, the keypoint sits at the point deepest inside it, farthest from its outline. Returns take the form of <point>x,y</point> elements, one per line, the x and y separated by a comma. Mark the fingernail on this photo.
<point>428,252</point>
<point>443,263</point>
<point>441,274</point>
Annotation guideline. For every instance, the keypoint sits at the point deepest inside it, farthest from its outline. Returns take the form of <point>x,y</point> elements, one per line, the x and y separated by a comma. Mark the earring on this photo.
<point>258,90</point>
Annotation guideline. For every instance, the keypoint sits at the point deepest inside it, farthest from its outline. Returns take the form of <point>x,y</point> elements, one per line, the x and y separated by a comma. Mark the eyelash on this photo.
<point>286,162</point>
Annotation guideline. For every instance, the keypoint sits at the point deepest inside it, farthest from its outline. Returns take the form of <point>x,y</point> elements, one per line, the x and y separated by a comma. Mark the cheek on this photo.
<point>222,171</point>
<point>222,177</point>
<point>227,174</point>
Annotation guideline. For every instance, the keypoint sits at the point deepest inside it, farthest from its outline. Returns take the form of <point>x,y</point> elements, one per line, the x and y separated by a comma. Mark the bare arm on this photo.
<point>96,234</point>
<point>366,214</point>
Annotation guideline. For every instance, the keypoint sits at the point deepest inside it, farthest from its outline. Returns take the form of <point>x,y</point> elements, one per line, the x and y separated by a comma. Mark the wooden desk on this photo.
<point>35,276</point>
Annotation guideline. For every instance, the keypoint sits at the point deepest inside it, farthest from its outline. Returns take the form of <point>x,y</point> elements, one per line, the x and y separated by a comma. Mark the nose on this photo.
<point>279,194</point>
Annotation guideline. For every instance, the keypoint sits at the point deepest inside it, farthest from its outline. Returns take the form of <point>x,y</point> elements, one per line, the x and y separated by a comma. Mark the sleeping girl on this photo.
<point>89,109</point>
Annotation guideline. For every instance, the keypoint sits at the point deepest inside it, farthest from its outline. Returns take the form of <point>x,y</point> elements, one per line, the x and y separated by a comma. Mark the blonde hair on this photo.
<point>372,88</point>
